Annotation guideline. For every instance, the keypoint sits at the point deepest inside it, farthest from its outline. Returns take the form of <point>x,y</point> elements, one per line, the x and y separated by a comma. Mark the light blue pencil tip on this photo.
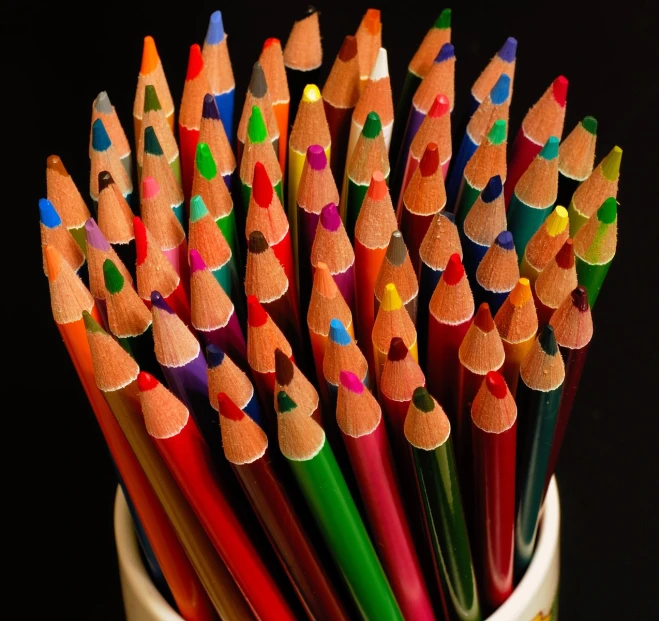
<point>338,334</point>
<point>48,214</point>
<point>550,150</point>
<point>500,90</point>
<point>215,32</point>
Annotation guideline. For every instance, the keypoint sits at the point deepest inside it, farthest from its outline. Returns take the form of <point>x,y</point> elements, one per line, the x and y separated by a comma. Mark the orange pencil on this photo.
<point>369,42</point>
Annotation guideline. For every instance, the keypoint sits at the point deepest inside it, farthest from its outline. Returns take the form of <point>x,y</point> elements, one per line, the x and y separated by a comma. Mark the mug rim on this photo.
<point>132,568</point>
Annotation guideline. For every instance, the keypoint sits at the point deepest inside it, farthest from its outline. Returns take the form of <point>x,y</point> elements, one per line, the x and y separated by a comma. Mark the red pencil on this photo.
<point>451,312</point>
<point>360,420</point>
<point>182,447</point>
<point>494,436</point>
<point>554,283</point>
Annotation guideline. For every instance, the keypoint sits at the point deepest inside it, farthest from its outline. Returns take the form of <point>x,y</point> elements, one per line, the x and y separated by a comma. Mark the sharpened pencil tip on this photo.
<point>311,93</point>
<point>258,87</point>
<point>256,314</point>
<point>547,341</point>
<point>508,50</point>
<point>159,302</point>
<point>100,139</point>
<point>589,123</point>
<point>197,208</point>
<point>492,190</point>
<point>446,52</point>
<point>257,242</point>
<point>350,381</point>
<point>330,219</point>
<point>338,334</point>
<point>196,262</point>
<point>559,89</point>
<point>580,298</point>
<point>429,160</point>
<point>146,381</point>
<point>440,106</point>
<point>105,180</point>
<point>611,164</point>
<point>372,125</point>
<point>95,237</point>
<point>256,129</point>
<point>151,142</point>
<point>228,409</point>
<point>262,190</point>
<point>483,319</point>
<point>496,385</point>
<point>608,212</point>
<point>53,262</point>
<point>396,250</point>
<point>397,349</point>
<point>550,150</point>
<point>102,103</point>
<point>210,109</point>
<point>215,33</point>
<point>443,21</point>
<point>348,49</point>
<point>205,162</point>
<point>454,271</point>
<point>284,403</point>
<point>505,240</point>
<point>391,299</point>
<point>48,215</point>
<point>422,400</point>
<point>141,242</point>
<point>151,101</point>
<point>195,62</point>
<point>54,162</point>
<point>214,356</point>
<point>381,67</point>
<point>377,189</point>
<point>150,58</point>
<point>316,157</point>
<point>114,281</point>
<point>501,90</point>
<point>283,368</point>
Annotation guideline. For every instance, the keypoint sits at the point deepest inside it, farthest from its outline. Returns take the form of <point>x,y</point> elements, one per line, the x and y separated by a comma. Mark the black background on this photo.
<point>59,478</point>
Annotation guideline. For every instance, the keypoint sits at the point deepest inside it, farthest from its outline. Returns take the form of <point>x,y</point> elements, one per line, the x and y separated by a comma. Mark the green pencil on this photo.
<point>534,196</point>
<point>428,432</point>
<point>538,396</point>
<point>302,441</point>
<point>595,247</point>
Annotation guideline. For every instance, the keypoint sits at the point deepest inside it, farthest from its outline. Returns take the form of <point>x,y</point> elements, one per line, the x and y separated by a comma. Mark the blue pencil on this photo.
<point>497,273</point>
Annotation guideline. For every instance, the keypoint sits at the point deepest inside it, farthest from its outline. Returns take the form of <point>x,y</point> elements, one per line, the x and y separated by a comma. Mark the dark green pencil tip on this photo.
<point>608,212</point>
<point>91,325</point>
<point>151,143</point>
<point>372,126</point>
<point>284,403</point>
<point>590,125</point>
<point>151,101</point>
<point>422,400</point>
<point>547,341</point>
<point>444,19</point>
<point>114,281</point>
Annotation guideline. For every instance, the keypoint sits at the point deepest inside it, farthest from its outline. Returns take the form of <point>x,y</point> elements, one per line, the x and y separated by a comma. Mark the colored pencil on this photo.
<point>441,241</point>
<point>359,418</point>
<point>326,304</point>
<point>303,444</point>
<point>428,432</point>
<point>182,362</point>
<point>103,109</point>
<point>154,116</point>
<point>341,354</point>
<point>316,190</point>
<point>219,71</point>
<point>543,120</point>
<point>576,158</point>
<point>451,313</point>
<point>485,220</point>
<point>211,132</point>
<point>246,448</point>
<point>151,73</point>
<point>440,80</point>
<point>54,233</point>
<point>303,55</point>
<point>573,329</point>
<point>272,63</point>
<point>155,164</point>
<point>98,250</point>
<point>495,107</point>
<point>373,229</point>
<point>263,338</point>
<point>419,66</point>
<point>538,397</point>
<point>488,160</point>
<point>392,320</point>
<point>368,156</point>
<point>161,220</point>
<point>207,239</point>
<point>369,41</point>
<point>209,185</point>
<point>224,375</point>
<point>517,324</point>
<point>502,63</point>
<point>115,373</point>
<point>258,96</point>
<point>332,247</point>
<point>494,438</point>
<point>397,268</point>
<point>497,273</point>
<point>189,121</point>
<point>128,318</point>
<point>103,155</point>
<point>115,220</point>
<point>545,243</point>
<point>213,314</point>
<point>376,97</point>
<point>309,128</point>
<point>155,273</point>
<point>182,447</point>
<point>266,214</point>
<point>555,283</point>
<point>424,197</point>
<point>595,247</point>
<point>589,196</point>
<point>258,149</point>
<point>534,196</point>
<point>340,96</point>
<point>62,192</point>
<point>288,377</point>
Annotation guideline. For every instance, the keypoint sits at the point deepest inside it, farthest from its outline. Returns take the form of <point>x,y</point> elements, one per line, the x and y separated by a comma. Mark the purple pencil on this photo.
<point>213,314</point>
<point>332,246</point>
<point>182,362</point>
<point>98,250</point>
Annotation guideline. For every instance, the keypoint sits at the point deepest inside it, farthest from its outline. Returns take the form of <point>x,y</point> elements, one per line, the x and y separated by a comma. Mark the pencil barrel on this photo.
<point>306,230</point>
<point>524,221</point>
<point>428,279</point>
<point>338,120</point>
<point>188,139</point>
<point>473,254</point>
<point>414,228</point>
<point>514,354</point>
<point>225,104</point>
<point>229,230</point>
<point>229,339</point>
<point>467,149</point>
<point>411,83</point>
<point>592,277</point>
<point>355,198</point>
<point>467,196</point>
<point>523,152</point>
<point>577,219</point>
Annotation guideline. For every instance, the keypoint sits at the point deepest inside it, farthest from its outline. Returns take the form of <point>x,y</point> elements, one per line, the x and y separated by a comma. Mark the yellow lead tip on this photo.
<point>150,58</point>
<point>311,93</point>
<point>521,294</point>
<point>557,221</point>
<point>391,300</point>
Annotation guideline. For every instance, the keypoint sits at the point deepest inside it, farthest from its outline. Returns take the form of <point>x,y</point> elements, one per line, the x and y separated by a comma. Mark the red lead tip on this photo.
<point>228,408</point>
<point>146,381</point>
<point>430,160</point>
<point>439,107</point>
<point>559,88</point>
<point>483,319</point>
<point>256,314</point>
<point>397,349</point>
<point>261,186</point>
<point>195,62</point>
<point>496,384</point>
<point>565,256</point>
<point>454,270</point>
<point>377,190</point>
<point>271,41</point>
<point>140,240</point>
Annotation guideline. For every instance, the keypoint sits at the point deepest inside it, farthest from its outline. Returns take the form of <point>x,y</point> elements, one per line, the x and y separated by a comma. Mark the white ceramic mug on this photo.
<point>534,599</point>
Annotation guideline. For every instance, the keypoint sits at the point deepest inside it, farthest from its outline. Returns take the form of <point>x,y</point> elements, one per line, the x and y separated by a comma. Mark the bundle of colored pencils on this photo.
<point>319,404</point>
